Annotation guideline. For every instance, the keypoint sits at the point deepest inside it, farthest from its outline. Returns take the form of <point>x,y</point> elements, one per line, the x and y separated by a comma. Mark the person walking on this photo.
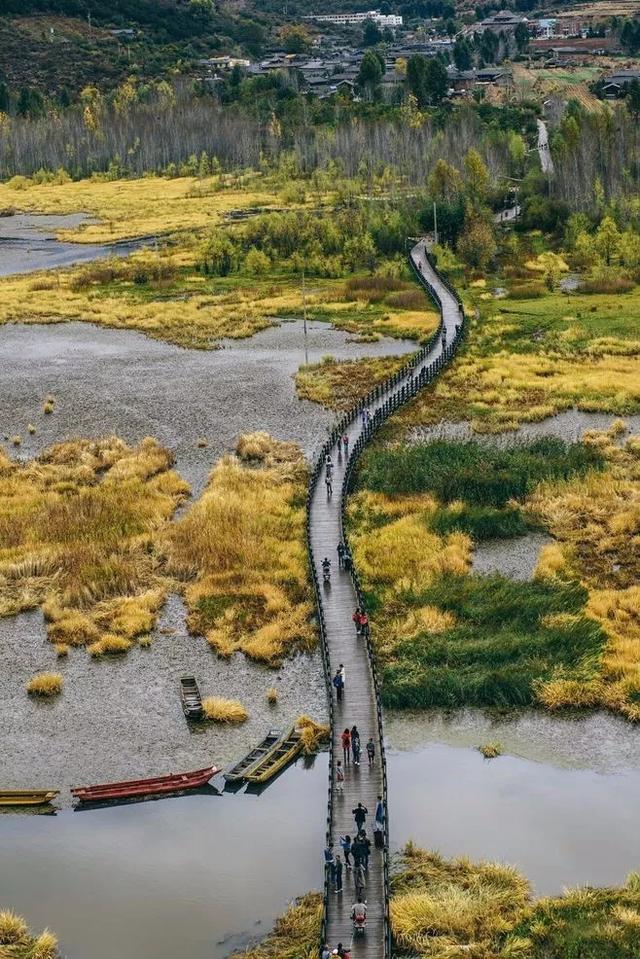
<point>347,561</point>
<point>329,485</point>
<point>345,443</point>
<point>356,619</point>
<point>355,749</point>
<point>378,834</point>
<point>364,624</point>
<point>371,751</point>
<point>346,746</point>
<point>365,849</point>
<point>380,811</point>
<point>341,548</point>
<point>339,777</point>
<point>345,842</point>
<point>354,735</point>
<point>338,874</point>
<point>325,952</point>
<point>360,882</point>
<point>330,862</point>
<point>338,682</point>
<point>356,850</point>
<point>360,815</point>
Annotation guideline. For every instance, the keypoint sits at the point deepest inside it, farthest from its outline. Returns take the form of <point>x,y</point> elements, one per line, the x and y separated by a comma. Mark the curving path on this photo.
<point>361,703</point>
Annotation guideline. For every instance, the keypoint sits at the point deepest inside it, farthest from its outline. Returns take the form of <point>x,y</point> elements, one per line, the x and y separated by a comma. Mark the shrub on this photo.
<point>45,684</point>
<point>220,710</point>
<point>527,291</point>
<point>407,300</point>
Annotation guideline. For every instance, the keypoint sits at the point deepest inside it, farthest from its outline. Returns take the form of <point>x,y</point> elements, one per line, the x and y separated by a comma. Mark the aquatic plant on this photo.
<point>12,927</point>
<point>45,684</point>
<point>491,750</point>
<point>312,733</point>
<point>220,710</point>
<point>444,908</point>
<point>272,695</point>
<point>78,527</point>
<point>295,935</point>
<point>240,553</point>
<point>338,385</point>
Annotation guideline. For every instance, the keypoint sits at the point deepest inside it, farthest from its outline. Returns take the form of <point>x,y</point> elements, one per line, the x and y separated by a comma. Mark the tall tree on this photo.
<point>463,54</point>
<point>370,74</point>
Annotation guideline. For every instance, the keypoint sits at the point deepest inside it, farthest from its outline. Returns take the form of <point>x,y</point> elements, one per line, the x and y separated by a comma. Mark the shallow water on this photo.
<point>28,243</point>
<point>116,381</point>
<point>120,717</point>
<point>560,803</point>
<point>516,558</point>
<point>568,425</point>
<point>201,875</point>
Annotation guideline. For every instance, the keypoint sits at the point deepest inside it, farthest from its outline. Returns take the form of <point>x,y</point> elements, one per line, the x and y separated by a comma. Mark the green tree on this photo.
<point>629,250</point>
<point>477,244</point>
<point>371,34</point>
<point>437,81</point>
<point>463,54</point>
<point>445,181</point>
<point>295,38</point>
<point>552,265</point>
<point>584,251</point>
<point>476,175</point>
<point>218,255</point>
<point>521,36</point>
<point>256,262</point>
<point>607,239</point>
<point>633,99</point>
<point>370,74</point>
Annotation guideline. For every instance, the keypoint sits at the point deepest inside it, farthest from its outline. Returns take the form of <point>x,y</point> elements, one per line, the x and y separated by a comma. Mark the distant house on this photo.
<point>463,82</point>
<point>505,21</point>
<point>616,85</point>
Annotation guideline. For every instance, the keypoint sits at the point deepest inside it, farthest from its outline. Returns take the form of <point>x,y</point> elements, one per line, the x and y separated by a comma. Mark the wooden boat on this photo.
<point>27,797</point>
<point>255,756</point>
<point>176,782</point>
<point>286,749</point>
<point>190,698</point>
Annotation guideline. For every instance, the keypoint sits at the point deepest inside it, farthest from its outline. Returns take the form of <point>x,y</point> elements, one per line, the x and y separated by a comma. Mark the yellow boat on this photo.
<point>27,797</point>
<point>281,753</point>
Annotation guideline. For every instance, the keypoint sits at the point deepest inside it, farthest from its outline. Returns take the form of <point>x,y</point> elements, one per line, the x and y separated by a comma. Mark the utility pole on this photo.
<point>435,224</point>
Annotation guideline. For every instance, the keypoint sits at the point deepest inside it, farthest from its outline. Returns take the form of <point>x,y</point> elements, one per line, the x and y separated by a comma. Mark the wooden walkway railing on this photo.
<point>361,705</point>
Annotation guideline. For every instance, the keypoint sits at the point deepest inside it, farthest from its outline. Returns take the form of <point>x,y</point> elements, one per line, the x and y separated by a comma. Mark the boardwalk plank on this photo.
<point>358,706</point>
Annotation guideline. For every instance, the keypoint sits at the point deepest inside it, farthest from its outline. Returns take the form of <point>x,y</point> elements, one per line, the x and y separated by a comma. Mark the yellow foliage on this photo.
<point>220,710</point>
<point>312,733</point>
<point>241,551</point>
<point>77,530</point>
<point>45,684</point>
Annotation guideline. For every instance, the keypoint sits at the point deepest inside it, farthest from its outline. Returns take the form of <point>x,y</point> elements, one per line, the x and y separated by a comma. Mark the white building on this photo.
<point>381,19</point>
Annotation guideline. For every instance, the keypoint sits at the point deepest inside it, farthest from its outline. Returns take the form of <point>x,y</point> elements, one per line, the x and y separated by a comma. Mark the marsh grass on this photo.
<point>217,709</point>
<point>476,474</point>
<point>78,529</point>
<point>339,384</point>
<point>295,935</point>
<point>442,909</point>
<point>240,553</point>
<point>272,695</point>
<point>500,647</point>
<point>13,928</point>
<point>491,750</point>
<point>45,685</point>
<point>313,734</point>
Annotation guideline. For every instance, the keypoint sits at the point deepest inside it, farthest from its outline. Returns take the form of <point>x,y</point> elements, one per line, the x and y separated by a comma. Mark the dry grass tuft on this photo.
<point>272,695</point>
<point>13,928</point>
<point>45,946</point>
<point>491,750</point>
<point>62,650</point>
<point>312,733</point>
<point>295,935</point>
<point>45,684</point>
<point>16,440</point>
<point>220,710</point>
<point>241,551</point>
<point>31,429</point>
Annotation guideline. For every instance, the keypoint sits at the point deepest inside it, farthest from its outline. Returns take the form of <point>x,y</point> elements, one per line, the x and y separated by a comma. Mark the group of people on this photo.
<point>351,748</point>
<point>356,850</point>
<point>361,620</point>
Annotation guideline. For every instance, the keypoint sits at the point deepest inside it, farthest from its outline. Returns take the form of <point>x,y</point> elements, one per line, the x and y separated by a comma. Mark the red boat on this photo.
<point>175,782</point>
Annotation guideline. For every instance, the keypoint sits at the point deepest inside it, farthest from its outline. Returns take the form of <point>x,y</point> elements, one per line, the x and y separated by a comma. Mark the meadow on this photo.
<point>535,354</point>
<point>447,637</point>
<point>452,907</point>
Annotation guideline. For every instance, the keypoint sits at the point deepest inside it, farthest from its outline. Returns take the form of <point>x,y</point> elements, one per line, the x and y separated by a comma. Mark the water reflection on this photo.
<point>558,810</point>
<point>146,879</point>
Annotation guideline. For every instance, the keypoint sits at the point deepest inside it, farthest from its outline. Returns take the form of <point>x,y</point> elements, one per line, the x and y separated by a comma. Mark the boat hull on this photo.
<point>283,753</point>
<point>27,797</point>
<point>160,785</point>
<point>247,764</point>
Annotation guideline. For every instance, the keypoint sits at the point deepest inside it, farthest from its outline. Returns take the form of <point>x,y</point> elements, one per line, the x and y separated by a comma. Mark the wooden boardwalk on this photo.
<point>359,705</point>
